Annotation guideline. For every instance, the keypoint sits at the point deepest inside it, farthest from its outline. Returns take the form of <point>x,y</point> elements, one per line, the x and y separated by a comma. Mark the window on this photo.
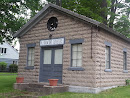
<point>58,56</point>
<point>30,56</point>
<point>107,57</point>
<point>3,50</point>
<point>15,62</point>
<point>76,55</point>
<point>124,60</point>
<point>47,56</point>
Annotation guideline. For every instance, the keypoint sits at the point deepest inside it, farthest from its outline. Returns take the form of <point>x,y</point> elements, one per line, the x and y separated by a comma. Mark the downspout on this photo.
<point>100,65</point>
<point>91,41</point>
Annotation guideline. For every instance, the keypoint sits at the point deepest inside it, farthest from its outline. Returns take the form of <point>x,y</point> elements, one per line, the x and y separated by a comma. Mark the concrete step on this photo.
<point>48,89</point>
<point>36,85</point>
<point>41,88</point>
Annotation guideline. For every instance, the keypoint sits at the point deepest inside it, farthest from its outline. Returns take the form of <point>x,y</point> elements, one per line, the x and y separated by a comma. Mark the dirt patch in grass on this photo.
<point>19,94</point>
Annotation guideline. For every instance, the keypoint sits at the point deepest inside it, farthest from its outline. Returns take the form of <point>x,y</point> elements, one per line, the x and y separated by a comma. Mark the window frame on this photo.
<point>72,42</point>
<point>125,66</point>
<point>15,62</point>
<point>32,45</point>
<point>3,50</point>
<point>108,44</point>
<point>76,55</point>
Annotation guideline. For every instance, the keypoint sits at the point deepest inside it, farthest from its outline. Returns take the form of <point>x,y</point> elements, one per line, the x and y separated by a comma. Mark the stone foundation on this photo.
<point>46,90</point>
<point>79,89</point>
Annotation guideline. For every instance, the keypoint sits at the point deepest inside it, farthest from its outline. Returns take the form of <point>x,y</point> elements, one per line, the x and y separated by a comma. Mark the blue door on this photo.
<point>51,64</point>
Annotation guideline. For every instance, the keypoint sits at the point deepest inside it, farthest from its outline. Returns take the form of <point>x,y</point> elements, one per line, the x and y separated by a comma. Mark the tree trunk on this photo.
<point>113,11</point>
<point>104,12</point>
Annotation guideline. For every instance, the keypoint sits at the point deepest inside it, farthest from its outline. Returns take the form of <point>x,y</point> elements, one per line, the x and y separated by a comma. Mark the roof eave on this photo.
<point>30,23</point>
<point>110,30</point>
<point>41,14</point>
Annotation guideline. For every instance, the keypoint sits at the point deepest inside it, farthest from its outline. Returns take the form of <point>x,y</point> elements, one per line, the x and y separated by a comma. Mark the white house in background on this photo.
<point>8,54</point>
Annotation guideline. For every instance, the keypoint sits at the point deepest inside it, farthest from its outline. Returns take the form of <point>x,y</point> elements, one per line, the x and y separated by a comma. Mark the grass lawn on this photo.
<point>120,92</point>
<point>7,73</point>
<point>7,91</point>
<point>6,83</point>
<point>6,86</point>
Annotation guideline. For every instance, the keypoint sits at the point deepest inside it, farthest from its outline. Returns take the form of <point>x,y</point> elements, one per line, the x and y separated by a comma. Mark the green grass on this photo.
<point>7,73</point>
<point>7,81</point>
<point>120,92</point>
<point>6,86</point>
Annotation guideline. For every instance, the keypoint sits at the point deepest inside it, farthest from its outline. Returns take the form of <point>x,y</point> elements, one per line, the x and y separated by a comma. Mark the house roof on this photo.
<point>41,14</point>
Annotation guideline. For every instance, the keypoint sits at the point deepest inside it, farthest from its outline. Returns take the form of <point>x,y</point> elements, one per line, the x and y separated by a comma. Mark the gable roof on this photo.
<point>41,14</point>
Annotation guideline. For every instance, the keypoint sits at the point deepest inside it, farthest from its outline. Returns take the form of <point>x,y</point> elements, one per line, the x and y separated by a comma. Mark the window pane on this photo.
<point>74,48</point>
<point>30,50</point>
<point>58,56</point>
<point>74,55</point>
<point>47,56</point>
<point>32,62</point>
<point>73,63</point>
<point>107,65</point>
<point>124,61</point>
<point>107,57</point>
<point>29,63</point>
<point>30,56</point>
<point>79,56</point>
<point>5,50</point>
<point>107,50</point>
<point>79,63</point>
<point>79,47</point>
<point>2,50</point>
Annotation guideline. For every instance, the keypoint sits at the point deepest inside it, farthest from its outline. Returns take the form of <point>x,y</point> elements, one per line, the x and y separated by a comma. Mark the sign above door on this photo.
<point>52,42</point>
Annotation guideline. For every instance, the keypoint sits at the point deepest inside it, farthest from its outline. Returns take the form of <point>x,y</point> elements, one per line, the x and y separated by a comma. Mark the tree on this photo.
<point>105,11</point>
<point>123,26</point>
<point>120,16</point>
<point>13,16</point>
<point>118,8</point>
<point>13,13</point>
<point>89,8</point>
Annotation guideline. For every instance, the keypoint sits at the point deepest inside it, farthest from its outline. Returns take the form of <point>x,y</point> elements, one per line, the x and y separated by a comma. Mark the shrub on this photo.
<point>3,66</point>
<point>128,82</point>
<point>13,68</point>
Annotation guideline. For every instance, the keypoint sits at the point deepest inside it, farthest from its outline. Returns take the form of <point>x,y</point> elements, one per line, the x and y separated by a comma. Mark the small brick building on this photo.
<point>80,52</point>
